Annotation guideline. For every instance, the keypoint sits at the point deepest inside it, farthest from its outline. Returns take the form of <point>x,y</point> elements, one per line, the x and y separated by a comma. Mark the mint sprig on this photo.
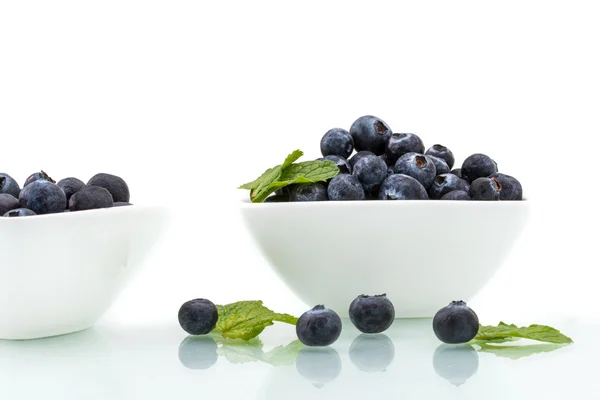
<point>505,332</point>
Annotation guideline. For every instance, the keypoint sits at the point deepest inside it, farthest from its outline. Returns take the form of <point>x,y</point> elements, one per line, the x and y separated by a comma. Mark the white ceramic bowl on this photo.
<point>59,273</point>
<point>423,254</point>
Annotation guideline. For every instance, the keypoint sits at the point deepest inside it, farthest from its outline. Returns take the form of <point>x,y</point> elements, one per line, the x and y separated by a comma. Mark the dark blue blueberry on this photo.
<point>457,172</point>
<point>319,365</point>
<point>337,142</point>
<point>478,166</point>
<point>418,166</point>
<point>511,187</point>
<point>115,185</point>
<point>455,323</point>
<point>285,191</point>
<point>439,151</point>
<point>9,185</point>
<point>372,352</point>
<point>390,170</point>
<point>341,163</point>
<point>455,363</point>
<point>19,212</point>
<point>440,165</point>
<point>319,326</point>
<point>70,186</point>
<point>198,352</point>
<point>370,133</point>
<point>386,160</point>
<point>447,183</point>
<point>402,143</point>
<point>354,159</point>
<point>345,187</point>
<point>370,171</point>
<point>309,192</point>
<point>485,189</point>
<point>121,204</point>
<point>37,176</point>
<point>277,198</point>
<point>198,316</point>
<point>402,187</point>
<point>372,314</point>
<point>457,195</point>
<point>43,197</point>
<point>8,202</point>
<point>90,198</point>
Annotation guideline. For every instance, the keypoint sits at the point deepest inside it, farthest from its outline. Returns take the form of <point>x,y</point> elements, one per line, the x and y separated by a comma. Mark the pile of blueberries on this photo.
<point>396,166</point>
<point>43,195</point>
<point>320,326</point>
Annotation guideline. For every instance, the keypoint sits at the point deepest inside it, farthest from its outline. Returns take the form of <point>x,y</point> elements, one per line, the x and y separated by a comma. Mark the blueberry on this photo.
<point>402,143</point>
<point>19,212</point>
<point>345,187</point>
<point>372,314</point>
<point>43,197</point>
<point>455,323</point>
<point>455,363</point>
<point>90,198</point>
<point>511,187</point>
<point>418,166</point>
<point>372,352</point>
<point>456,195</point>
<point>198,316</point>
<point>390,170</point>
<point>38,176</point>
<point>386,160</point>
<point>485,189</point>
<point>440,165</point>
<point>121,204</point>
<point>337,142</point>
<point>457,172</point>
<point>370,171</point>
<point>70,186</point>
<point>114,184</point>
<point>319,365</point>
<point>319,326</point>
<point>341,163</point>
<point>277,198</point>
<point>8,202</point>
<point>309,192</point>
<point>478,166</point>
<point>437,150</point>
<point>370,133</point>
<point>198,352</point>
<point>355,158</point>
<point>402,187</point>
<point>9,185</point>
<point>447,183</point>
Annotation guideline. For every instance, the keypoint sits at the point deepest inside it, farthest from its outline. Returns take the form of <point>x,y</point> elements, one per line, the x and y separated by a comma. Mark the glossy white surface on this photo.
<point>421,253</point>
<point>59,273</point>
<point>407,362</point>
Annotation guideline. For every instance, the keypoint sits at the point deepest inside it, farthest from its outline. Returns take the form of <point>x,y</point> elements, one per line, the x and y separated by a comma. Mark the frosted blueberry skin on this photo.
<point>9,186</point>
<point>114,184</point>
<point>43,197</point>
<point>372,314</point>
<point>90,198</point>
<point>309,192</point>
<point>455,323</point>
<point>418,166</point>
<point>402,143</point>
<point>37,176</point>
<point>440,165</point>
<point>437,150</point>
<point>402,187</point>
<point>345,187</point>
<point>338,142</point>
<point>511,187</point>
<point>319,326</point>
<point>478,166</point>
<point>70,186</point>
<point>456,195</point>
<point>447,183</point>
<point>339,162</point>
<point>8,202</point>
<point>198,316</point>
<point>370,133</point>
<point>457,172</point>
<point>485,189</point>
<point>355,158</point>
<point>370,171</point>
<point>19,212</point>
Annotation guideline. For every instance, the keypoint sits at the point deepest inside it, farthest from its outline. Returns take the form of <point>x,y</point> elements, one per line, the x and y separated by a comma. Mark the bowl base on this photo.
<point>42,334</point>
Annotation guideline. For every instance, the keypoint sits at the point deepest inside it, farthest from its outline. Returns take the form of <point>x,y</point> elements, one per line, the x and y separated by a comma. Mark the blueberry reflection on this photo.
<point>372,353</point>
<point>198,352</point>
<point>319,365</point>
<point>455,363</point>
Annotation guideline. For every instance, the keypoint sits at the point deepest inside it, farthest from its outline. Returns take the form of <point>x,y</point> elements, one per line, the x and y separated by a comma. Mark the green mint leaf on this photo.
<point>287,318</point>
<point>516,352</point>
<point>540,333</point>
<point>292,158</point>
<point>272,174</point>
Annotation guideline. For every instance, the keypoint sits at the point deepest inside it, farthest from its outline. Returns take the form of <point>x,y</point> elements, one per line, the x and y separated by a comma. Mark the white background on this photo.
<point>188,99</point>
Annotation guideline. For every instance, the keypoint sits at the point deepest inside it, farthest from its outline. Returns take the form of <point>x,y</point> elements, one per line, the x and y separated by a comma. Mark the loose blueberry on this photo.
<point>43,197</point>
<point>455,363</point>
<point>418,166</point>
<point>309,192</point>
<point>198,352</point>
<point>456,195</point>
<point>121,204</point>
<point>19,212</point>
<point>9,185</point>
<point>277,198</point>
<point>478,166</point>
<point>440,165</point>
<point>372,314</point>
<point>90,198</point>
<point>38,176</point>
<point>355,158</point>
<point>457,172</point>
<point>370,133</point>
<point>511,187</point>
<point>485,189</point>
<point>114,184</point>
<point>437,150</point>
<point>319,326</point>
<point>8,202</point>
<point>447,183</point>
<point>70,186</point>
<point>372,352</point>
<point>341,163</point>
<point>402,143</point>
<point>198,316</point>
<point>402,187</point>
<point>455,323</point>
<point>345,187</point>
<point>338,142</point>
<point>370,171</point>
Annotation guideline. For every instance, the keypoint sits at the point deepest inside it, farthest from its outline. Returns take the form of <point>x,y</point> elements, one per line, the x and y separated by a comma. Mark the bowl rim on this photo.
<point>72,214</point>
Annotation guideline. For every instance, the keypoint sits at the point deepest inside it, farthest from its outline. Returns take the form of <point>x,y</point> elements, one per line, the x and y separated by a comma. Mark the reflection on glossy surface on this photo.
<point>370,353</point>
<point>198,352</point>
<point>455,363</point>
<point>319,365</point>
